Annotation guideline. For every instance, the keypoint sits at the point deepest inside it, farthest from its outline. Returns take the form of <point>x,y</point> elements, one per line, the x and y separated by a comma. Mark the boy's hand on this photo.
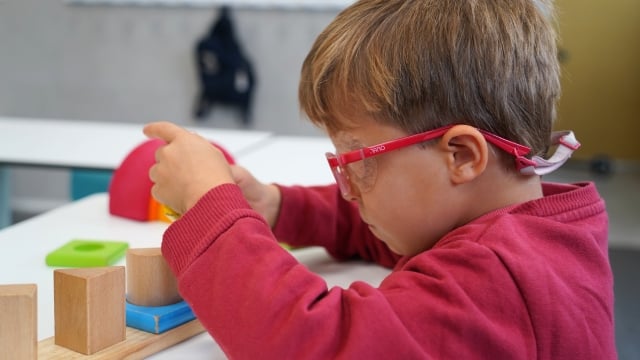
<point>186,168</point>
<point>263,198</point>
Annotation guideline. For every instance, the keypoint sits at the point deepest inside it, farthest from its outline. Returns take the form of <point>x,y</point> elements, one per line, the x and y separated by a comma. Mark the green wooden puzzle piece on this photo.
<point>87,253</point>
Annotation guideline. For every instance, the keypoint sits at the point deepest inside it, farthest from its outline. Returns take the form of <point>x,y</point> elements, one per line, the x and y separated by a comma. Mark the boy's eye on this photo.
<point>362,172</point>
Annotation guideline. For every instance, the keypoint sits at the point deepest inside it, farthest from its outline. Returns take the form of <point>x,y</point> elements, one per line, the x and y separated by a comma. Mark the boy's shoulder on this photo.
<point>561,214</point>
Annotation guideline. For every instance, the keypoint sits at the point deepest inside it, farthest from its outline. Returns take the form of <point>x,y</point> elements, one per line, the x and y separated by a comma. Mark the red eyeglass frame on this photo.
<point>336,162</point>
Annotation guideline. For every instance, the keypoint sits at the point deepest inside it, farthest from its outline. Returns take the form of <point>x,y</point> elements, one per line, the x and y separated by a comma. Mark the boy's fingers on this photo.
<point>163,130</point>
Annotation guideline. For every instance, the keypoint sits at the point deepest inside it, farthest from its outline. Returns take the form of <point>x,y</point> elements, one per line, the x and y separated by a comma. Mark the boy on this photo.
<point>419,99</point>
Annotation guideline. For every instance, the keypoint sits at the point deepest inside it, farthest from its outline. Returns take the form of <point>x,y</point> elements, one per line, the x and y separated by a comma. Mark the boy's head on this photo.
<point>422,64</point>
<point>384,69</point>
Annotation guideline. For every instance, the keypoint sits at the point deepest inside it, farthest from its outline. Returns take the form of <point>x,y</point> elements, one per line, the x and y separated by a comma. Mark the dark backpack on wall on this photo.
<point>226,75</point>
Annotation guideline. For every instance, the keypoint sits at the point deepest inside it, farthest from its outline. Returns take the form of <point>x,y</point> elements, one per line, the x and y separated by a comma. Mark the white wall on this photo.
<point>135,64</point>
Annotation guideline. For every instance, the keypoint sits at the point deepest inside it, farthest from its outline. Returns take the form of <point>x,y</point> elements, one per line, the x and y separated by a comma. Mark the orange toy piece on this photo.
<point>160,212</point>
<point>130,187</point>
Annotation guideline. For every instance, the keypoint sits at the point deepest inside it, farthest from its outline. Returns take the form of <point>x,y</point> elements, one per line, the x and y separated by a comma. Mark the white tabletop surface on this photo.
<point>24,246</point>
<point>290,160</point>
<point>90,144</point>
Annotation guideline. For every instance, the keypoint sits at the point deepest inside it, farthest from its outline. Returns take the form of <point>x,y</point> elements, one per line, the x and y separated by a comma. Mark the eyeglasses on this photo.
<point>344,172</point>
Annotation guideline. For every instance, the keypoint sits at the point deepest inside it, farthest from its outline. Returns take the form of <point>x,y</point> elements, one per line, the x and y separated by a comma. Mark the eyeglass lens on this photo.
<point>360,173</point>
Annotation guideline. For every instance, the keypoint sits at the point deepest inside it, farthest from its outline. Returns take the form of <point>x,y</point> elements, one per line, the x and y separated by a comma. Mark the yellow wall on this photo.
<point>600,54</point>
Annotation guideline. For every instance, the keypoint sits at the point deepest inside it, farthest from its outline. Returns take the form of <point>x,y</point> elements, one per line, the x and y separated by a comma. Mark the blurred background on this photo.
<point>136,63</point>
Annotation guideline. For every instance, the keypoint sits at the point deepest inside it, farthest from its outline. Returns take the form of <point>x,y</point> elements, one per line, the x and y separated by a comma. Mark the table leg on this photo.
<point>5,196</point>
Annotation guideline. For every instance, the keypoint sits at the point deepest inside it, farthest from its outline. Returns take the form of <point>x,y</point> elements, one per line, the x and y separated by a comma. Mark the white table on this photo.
<point>290,160</point>
<point>24,246</point>
<point>86,144</point>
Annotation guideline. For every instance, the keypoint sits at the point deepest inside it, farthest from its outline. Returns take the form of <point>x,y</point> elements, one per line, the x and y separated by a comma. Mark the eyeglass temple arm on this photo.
<point>385,147</point>
<point>567,144</point>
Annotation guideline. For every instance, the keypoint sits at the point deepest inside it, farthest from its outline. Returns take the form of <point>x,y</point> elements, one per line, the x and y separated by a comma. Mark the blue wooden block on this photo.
<point>158,319</point>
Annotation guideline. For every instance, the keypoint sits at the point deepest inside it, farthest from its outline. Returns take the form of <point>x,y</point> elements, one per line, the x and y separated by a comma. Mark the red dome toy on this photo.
<point>130,187</point>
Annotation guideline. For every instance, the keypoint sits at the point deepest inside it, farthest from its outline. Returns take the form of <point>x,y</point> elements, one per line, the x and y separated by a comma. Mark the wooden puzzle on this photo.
<point>137,345</point>
<point>90,317</point>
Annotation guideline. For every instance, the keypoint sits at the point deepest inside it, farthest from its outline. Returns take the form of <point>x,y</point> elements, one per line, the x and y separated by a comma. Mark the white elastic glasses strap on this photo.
<point>567,144</point>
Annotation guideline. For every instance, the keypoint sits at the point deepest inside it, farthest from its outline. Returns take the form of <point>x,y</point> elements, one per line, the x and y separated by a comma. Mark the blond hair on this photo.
<point>421,64</point>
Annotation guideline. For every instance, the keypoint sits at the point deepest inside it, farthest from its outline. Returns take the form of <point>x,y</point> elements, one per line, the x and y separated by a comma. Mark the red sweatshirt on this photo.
<point>530,281</point>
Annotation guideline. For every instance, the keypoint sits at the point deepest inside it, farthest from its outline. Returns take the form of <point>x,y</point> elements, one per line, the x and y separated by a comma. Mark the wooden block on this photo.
<point>158,319</point>
<point>89,308</point>
<point>18,321</point>
<point>150,282</point>
<point>138,345</point>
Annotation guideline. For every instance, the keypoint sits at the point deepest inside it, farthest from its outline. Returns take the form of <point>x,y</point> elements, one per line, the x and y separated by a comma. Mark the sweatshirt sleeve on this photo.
<point>320,216</point>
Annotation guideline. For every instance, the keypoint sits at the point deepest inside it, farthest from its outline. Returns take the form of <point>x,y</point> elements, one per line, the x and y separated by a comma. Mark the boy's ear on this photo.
<point>467,153</point>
